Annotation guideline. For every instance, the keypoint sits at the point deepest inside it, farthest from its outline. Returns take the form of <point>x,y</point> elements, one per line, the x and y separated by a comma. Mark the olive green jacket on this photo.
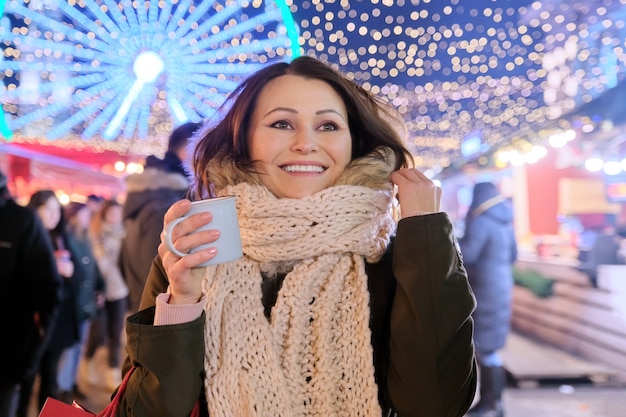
<point>421,305</point>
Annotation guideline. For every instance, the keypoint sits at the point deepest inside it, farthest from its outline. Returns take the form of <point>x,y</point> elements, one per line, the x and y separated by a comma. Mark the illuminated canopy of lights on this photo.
<point>109,69</point>
<point>457,69</point>
<point>498,71</point>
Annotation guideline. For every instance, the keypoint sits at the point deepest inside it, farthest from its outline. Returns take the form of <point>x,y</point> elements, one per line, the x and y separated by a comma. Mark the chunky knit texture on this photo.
<point>314,356</point>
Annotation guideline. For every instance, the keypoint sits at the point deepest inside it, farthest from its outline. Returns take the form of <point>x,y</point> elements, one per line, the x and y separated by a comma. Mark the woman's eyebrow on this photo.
<point>287,109</point>
<point>330,111</point>
<point>294,111</point>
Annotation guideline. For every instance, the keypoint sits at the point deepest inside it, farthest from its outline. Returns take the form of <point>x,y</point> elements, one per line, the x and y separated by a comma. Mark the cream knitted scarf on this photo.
<point>314,356</point>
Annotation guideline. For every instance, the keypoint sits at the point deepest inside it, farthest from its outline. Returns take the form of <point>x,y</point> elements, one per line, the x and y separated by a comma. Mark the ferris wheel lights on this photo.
<point>147,66</point>
<point>110,50</point>
<point>177,110</point>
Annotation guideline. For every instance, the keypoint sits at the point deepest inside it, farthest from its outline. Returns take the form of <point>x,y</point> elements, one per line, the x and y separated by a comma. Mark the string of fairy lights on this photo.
<point>469,76</point>
<point>501,71</point>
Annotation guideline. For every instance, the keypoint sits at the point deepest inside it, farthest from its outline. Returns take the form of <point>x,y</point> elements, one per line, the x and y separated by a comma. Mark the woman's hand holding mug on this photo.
<point>196,235</point>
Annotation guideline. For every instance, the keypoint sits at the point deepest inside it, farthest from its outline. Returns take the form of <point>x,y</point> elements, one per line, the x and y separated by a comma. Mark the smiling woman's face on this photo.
<point>299,135</point>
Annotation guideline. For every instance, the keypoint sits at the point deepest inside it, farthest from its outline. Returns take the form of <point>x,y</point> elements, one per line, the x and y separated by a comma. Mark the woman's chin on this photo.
<point>298,188</point>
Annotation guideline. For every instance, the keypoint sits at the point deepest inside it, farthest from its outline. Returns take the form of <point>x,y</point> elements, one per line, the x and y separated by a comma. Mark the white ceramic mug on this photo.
<point>224,219</point>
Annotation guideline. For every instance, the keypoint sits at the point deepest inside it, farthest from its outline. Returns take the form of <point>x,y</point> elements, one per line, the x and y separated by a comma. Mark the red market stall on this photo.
<point>29,171</point>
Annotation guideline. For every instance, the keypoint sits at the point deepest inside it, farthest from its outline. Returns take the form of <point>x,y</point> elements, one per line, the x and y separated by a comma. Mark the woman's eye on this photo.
<point>328,126</point>
<point>281,124</point>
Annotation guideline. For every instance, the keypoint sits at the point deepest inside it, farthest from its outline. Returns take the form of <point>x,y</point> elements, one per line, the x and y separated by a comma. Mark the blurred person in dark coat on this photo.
<point>606,250</point>
<point>30,277</point>
<point>149,195</point>
<point>73,267</point>
<point>489,251</point>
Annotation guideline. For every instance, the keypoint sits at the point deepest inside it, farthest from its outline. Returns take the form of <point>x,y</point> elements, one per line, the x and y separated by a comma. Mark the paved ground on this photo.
<point>547,382</point>
<point>566,401</point>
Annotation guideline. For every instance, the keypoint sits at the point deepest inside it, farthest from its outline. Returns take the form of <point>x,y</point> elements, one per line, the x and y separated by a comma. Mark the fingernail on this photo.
<point>212,251</point>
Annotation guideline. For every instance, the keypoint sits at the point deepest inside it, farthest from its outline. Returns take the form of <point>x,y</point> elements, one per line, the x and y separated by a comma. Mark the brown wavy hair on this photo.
<point>373,123</point>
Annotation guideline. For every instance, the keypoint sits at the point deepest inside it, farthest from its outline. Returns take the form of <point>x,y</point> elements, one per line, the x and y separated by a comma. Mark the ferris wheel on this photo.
<point>124,69</point>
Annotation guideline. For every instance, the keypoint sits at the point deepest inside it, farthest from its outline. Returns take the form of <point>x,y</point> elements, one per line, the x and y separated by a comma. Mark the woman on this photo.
<point>107,232</point>
<point>326,313</point>
<point>66,331</point>
<point>489,251</point>
<point>85,291</point>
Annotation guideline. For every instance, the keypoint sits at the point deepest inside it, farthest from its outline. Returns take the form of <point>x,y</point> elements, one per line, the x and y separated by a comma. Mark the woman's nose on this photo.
<point>305,141</point>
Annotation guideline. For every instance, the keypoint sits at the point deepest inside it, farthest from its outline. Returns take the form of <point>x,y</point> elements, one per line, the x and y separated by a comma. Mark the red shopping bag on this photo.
<point>55,408</point>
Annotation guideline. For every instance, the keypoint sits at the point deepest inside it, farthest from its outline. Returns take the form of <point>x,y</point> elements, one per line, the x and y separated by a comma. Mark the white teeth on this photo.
<point>303,168</point>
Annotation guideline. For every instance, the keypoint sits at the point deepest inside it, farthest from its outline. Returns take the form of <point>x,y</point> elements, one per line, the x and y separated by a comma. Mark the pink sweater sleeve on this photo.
<point>175,314</point>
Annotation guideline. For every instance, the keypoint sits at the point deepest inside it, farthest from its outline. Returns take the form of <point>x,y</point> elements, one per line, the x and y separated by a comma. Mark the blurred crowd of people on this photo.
<point>69,286</point>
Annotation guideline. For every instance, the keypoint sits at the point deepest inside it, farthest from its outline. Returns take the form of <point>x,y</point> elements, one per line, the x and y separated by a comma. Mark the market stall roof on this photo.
<point>34,170</point>
<point>468,76</point>
<point>81,153</point>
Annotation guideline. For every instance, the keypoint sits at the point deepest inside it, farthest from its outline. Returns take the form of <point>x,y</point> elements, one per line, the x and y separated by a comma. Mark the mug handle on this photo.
<point>167,237</point>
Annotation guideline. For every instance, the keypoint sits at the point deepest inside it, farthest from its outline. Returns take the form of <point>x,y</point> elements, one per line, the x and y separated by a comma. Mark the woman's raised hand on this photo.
<point>186,287</point>
<point>417,194</point>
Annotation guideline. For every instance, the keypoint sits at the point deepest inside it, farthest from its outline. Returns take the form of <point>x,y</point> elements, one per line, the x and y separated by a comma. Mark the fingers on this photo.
<point>178,209</point>
<point>189,227</point>
<point>179,266</point>
<point>417,194</point>
<point>185,286</point>
<point>185,235</point>
<point>185,227</point>
<point>186,243</point>
<point>409,174</point>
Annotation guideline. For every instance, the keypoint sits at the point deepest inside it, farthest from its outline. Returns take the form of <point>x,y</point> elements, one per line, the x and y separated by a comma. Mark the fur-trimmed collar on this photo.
<point>363,171</point>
